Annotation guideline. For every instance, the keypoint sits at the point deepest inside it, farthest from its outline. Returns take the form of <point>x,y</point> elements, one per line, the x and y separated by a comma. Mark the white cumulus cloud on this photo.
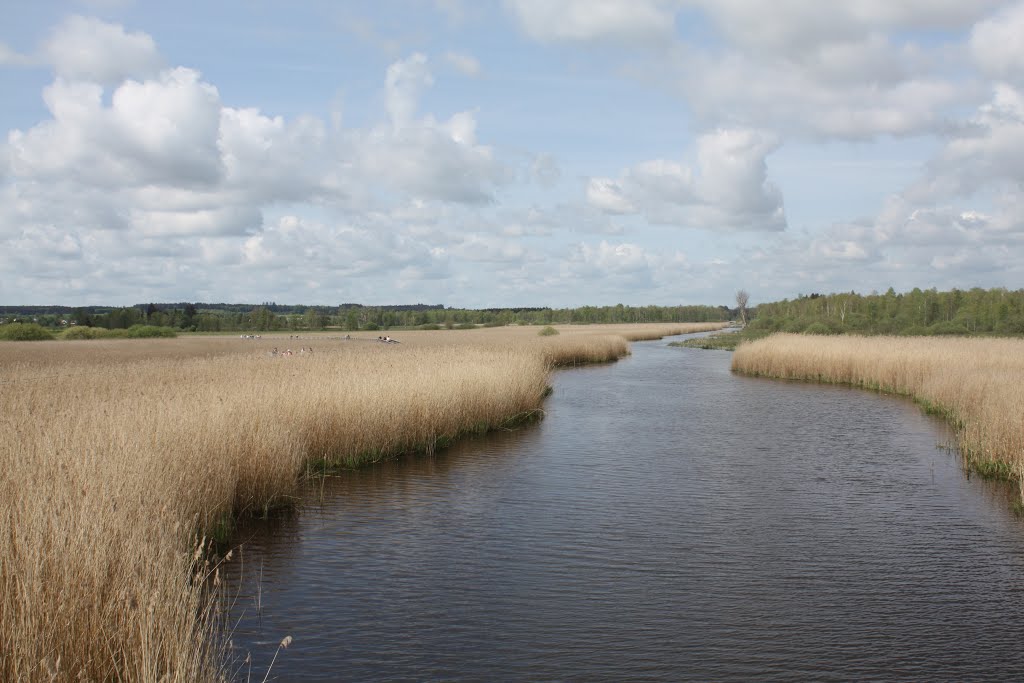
<point>85,48</point>
<point>631,22</point>
<point>727,190</point>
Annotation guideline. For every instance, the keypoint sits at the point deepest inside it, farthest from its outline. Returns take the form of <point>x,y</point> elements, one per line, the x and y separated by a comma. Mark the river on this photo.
<point>667,520</point>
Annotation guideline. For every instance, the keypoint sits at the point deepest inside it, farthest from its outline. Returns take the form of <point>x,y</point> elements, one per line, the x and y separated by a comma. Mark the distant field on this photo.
<point>119,457</point>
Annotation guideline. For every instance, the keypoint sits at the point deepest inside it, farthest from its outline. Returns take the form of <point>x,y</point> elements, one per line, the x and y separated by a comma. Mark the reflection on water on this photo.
<point>667,520</point>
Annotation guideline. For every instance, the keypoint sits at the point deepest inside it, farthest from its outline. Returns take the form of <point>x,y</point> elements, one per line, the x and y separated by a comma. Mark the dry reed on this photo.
<point>115,455</point>
<point>978,384</point>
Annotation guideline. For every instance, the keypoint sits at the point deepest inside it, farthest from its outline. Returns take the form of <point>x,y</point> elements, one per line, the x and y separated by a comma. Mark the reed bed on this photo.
<point>118,459</point>
<point>977,383</point>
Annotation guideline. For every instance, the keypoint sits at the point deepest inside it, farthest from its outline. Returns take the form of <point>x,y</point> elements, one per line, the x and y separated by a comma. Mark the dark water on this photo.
<point>667,520</point>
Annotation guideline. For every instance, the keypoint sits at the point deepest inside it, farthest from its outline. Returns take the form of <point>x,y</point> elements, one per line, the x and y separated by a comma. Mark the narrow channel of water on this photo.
<point>667,520</point>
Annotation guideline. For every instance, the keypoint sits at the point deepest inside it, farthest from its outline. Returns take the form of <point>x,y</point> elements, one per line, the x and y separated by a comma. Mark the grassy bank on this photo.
<point>118,457</point>
<point>722,341</point>
<point>977,384</point>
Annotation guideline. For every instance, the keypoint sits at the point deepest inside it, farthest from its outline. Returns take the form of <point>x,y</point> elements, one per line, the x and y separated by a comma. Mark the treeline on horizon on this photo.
<point>202,317</point>
<point>918,312</point>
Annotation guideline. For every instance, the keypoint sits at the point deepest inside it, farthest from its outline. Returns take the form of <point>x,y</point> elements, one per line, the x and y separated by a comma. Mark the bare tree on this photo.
<point>741,300</point>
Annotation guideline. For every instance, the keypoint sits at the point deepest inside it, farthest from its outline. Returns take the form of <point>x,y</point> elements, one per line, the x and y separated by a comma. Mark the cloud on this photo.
<point>491,249</point>
<point>141,175</point>
<point>405,82</point>
<point>995,44</point>
<point>9,57</point>
<point>545,171</point>
<point>820,70</point>
<point>87,49</point>
<point>267,158</point>
<point>609,196</point>
<point>454,10</point>
<point>799,26</point>
<point>853,90</point>
<point>423,157</point>
<point>168,144</point>
<point>628,22</point>
<point>157,131</point>
<point>986,154</point>
<point>467,65</point>
<point>729,190</point>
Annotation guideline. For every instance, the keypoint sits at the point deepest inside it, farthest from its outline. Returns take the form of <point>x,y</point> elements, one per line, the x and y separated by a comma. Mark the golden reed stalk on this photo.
<point>117,457</point>
<point>978,383</point>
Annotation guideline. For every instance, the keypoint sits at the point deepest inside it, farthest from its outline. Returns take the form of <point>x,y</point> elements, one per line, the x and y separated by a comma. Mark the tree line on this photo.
<point>200,317</point>
<point>918,312</point>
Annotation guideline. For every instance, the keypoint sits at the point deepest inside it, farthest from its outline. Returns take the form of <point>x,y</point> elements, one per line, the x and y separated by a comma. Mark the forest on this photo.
<point>918,312</point>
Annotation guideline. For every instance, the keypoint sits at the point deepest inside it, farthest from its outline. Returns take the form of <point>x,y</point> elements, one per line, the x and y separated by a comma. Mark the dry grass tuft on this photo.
<point>978,384</point>
<point>115,456</point>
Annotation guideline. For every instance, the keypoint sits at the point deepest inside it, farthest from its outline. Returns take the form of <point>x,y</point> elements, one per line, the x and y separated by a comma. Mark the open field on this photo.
<point>977,384</point>
<point>117,457</point>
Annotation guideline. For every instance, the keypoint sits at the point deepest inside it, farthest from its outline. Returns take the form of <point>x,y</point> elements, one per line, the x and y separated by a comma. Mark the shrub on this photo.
<point>133,332</point>
<point>547,331</point>
<point>795,325</point>
<point>430,326</point>
<point>81,332</point>
<point>465,326</point>
<point>766,325</point>
<point>24,332</point>
<point>372,327</point>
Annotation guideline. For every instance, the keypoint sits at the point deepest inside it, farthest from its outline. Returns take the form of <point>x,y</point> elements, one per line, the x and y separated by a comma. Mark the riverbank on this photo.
<point>118,459</point>
<point>976,384</point>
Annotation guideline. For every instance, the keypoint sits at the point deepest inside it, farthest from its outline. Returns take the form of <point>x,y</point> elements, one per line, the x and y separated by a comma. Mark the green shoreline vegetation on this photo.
<point>918,313</point>
<point>120,461</point>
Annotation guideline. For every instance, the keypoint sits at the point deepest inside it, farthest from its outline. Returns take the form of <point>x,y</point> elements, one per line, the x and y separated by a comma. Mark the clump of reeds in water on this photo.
<point>977,384</point>
<point>107,475</point>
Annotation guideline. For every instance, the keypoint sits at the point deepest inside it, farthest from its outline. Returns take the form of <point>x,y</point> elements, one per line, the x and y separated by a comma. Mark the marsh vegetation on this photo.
<point>120,459</point>
<point>977,384</point>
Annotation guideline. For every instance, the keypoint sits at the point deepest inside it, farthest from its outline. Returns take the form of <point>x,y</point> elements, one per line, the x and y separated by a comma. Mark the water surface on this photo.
<point>667,520</point>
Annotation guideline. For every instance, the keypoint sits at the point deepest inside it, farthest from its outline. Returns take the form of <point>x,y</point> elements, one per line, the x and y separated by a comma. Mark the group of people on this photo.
<point>388,340</point>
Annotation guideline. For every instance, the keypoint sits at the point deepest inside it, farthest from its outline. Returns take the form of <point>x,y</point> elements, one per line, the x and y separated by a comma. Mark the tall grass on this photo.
<point>977,383</point>
<point>118,458</point>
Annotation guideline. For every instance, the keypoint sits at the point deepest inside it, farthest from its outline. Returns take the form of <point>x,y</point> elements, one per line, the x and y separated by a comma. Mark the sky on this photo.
<point>507,153</point>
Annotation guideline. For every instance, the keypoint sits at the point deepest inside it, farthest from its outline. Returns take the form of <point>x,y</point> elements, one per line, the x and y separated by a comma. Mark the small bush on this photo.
<point>82,332</point>
<point>372,327</point>
<point>24,332</point>
<point>430,326</point>
<point>547,331</point>
<point>465,326</point>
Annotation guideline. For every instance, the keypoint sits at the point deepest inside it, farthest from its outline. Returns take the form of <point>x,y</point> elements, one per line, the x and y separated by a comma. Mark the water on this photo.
<point>667,520</point>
